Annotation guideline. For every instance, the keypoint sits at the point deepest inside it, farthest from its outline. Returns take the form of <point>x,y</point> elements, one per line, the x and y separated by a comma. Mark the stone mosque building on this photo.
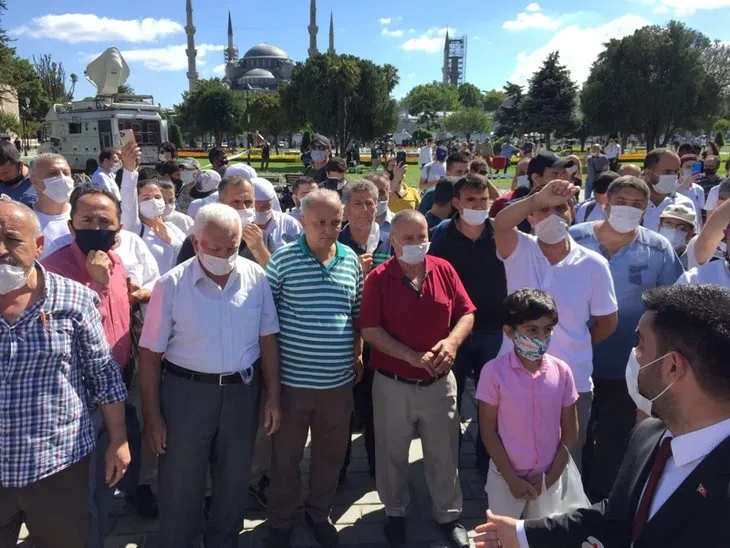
<point>264,66</point>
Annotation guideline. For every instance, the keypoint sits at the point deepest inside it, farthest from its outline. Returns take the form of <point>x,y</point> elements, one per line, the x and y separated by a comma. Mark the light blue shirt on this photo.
<point>647,262</point>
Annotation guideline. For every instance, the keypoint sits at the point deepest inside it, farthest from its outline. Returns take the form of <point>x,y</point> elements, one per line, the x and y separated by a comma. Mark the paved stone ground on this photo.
<point>357,511</point>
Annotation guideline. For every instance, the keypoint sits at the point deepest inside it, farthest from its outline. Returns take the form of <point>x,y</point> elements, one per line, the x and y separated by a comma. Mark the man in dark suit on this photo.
<point>673,487</point>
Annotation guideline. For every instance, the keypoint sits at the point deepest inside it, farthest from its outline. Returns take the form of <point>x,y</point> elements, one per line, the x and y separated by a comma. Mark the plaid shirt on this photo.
<point>54,364</point>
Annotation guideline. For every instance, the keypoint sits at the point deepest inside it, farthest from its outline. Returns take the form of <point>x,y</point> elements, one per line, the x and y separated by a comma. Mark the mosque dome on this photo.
<point>266,50</point>
<point>259,73</point>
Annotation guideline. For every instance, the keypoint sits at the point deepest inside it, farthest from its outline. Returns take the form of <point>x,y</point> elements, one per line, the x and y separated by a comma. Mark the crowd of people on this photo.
<point>171,332</point>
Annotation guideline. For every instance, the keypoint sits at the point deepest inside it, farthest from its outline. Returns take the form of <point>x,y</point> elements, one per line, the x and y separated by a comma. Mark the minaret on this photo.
<point>331,49</point>
<point>191,52</point>
<point>230,55</point>
<point>445,70</point>
<point>313,28</point>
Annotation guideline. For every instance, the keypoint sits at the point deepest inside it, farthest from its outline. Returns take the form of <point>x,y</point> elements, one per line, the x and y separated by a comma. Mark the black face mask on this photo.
<point>95,240</point>
<point>710,171</point>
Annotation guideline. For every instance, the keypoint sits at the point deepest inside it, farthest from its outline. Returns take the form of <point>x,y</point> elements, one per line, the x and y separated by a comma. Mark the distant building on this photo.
<point>454,68</point>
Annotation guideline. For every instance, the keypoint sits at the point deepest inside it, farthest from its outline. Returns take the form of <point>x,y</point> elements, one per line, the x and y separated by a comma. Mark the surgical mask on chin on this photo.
<point>262,217</point>
<point>187,177</point>
<point>530,348</point>
<point>381,208</point>
<point>632,383</point>
<point>625,219</point>
<point>169,208</point>
<point>666,184</point>
<point>551,230</point>
<point>318,156</point>
<point>414,253</point>
<point>218,266</point>
<point>58,188</point>
<point>474,217</point>
<point>12,277</point>
<point>676,237</point>
<point>247,215</point>
<point>153,208</point>
<point>523,181</point>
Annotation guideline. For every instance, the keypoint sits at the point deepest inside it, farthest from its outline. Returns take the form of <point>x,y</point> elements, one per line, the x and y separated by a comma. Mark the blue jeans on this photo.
<point>480,347</point>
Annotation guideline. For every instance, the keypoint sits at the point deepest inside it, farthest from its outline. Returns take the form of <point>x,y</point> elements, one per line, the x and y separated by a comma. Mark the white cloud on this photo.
<point>577,59</point>
<point>411,31</point>
<point>219,70</point>
<point>431,41</point>
<point>682,8</point>
<point>660,10</point>
<point>533,18</point>
<point>87,27</point>
<point>392,33</point>
<point>385,20</point>
<point>169,58</point>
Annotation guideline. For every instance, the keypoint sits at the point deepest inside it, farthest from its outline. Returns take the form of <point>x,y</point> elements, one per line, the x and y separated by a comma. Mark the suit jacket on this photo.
<point>688,519</point>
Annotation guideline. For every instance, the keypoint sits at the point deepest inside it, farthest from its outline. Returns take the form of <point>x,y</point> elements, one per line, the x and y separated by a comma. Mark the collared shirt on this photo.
<point>582,287</point>
<point>529,406</point>
<point>282,229</point>
<point>318,308</point>
<point>410,200</point>
<point>182,221</point>
<point>196,204</point>
<point>102,180</point>
<point>296,214</point>
<point>479,268</point>
<point>201,327</point>
<point>714,272</point>
<point>380,255</point>
<point>53,228</point>
<point>433,221</point>
<point>647,262</point>
<point>54,363</point>
<point>70,261</point>
<point>20,192</point>
<point>653,213</point>
<point>418,319</point>
<point>612,150</point>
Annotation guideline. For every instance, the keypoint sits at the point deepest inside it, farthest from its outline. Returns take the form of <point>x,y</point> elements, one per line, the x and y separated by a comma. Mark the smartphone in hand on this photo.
<point>401,157</point>
<point>127,136</point>
<point>696,168</point>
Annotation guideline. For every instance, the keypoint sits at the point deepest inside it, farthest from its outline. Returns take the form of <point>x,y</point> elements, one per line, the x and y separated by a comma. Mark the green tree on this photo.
<point>53,78</point>
<point>426,100</point>
<point>210,108</point>
<point>719,139</point>
<point>467,121</point>
<point>9,123</point>
<point>493,99</point>
<point>267,116</point>
<point>507,116</point>
<point>721,125</point>
<point>550,100</point>
<point>175,135</point>
<point>125,89</point>
<point>306,140</point>
<point>470,96</point>
<point>420,134</point>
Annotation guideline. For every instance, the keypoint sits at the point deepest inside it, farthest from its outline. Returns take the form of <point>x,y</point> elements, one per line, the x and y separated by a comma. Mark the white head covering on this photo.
<point>264,190</point>
<point>241,169</point>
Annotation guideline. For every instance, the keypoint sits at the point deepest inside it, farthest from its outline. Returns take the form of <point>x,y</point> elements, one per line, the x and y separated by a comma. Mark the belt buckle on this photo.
<point>220,380</point>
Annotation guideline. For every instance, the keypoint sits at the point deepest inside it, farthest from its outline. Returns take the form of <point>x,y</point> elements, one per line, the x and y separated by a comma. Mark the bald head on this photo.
<point>321,219</point>
<point>408,227</point>
<point>12,209</point>
<point>630,169</point>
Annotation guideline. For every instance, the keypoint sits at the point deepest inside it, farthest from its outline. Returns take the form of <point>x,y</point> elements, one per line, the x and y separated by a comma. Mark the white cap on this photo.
<point>207,180</point>
<point>241,169</point>
<point>263,189</point>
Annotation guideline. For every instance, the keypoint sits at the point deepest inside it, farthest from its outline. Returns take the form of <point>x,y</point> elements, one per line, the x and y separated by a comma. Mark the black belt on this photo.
<point>205,378</point>
<point>414,382</point>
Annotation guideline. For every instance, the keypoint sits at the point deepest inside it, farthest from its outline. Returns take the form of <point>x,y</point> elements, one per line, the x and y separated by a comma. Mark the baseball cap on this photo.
<point>322,140</point>
<point>190,163</point>
<point>679,213</point>
<point>546,159</point>
<point>205,183</point>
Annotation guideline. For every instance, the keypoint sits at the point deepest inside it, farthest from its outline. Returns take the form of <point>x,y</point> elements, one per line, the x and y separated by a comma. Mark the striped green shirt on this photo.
<point>318,306</point>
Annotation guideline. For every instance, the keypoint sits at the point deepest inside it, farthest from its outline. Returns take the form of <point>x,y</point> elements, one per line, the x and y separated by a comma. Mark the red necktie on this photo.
<point>657,468</point>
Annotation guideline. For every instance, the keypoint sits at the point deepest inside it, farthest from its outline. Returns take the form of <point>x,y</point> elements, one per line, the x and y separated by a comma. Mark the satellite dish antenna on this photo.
<point>107,72</point>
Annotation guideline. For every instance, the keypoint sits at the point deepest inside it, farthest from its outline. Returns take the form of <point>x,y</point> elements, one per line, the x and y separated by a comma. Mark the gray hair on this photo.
<point>46,158</point>
<point>317,196</point>
<point>232,181</point>
<point>723,192</point>
<point>359,186</point>
<point>406,215</point>
<point>220,215</point>
<point>5,199</point>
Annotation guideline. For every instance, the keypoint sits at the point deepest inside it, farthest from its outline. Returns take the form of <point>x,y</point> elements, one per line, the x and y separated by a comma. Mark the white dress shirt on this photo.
<point>182,221</point>
<point>105,181</point>
<point>53,227</point>
<point>201,327</point>
<point>283,229</point>
<point>612,150</point>
<point>196,204</point>
<point>688,451</point>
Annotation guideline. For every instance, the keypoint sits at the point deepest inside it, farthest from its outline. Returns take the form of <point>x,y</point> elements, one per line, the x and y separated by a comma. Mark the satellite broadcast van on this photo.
<point>81,129</point>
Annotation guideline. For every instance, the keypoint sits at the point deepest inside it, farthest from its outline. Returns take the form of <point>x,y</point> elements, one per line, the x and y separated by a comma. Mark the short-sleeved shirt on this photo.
<point>433,171</point>
<point>582,287</point>
<point>715,273</point>
<point>318,308</point>
<point>596,164</point>
<point>529,407</point>
<point>697,194</point>
<point>653,213</point>
<point>647,262</point>
<point>479,268</point>
<point>410,200</point>
<point>20,192</point>
<point>712,197</point>
<point>380,255</point>
<point>718,255</point>
<point>417,319</point>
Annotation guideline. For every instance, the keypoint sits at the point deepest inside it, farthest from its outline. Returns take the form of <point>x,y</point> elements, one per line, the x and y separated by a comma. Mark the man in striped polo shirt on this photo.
<point>317,286</point>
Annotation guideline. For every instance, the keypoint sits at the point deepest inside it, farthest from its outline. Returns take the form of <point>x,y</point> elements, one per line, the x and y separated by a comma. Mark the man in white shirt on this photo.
<point>433,170</point>
<point>673,488</point>
<point>612,152</point>
<point>213,320</point>
<point>103,177</point>
<point>577,278</point>
<point>425,154</point>
<point>51,179</point>
<point>661,169</point>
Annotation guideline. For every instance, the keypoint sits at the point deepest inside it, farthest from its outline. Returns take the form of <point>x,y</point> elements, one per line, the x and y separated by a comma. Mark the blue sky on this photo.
<point>508,40</point>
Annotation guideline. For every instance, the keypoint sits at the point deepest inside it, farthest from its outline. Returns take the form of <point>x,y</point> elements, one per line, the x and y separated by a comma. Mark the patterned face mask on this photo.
<point>530,348</point>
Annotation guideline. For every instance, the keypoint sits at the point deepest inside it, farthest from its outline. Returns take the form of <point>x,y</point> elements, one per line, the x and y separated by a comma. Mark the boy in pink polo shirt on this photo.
<point>527,414</point>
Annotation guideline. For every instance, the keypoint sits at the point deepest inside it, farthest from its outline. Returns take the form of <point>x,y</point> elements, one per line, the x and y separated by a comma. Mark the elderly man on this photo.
<point>238,193</point>
<point>282,228</point>
<point>103,177</point>
<point>661,169</point>
<point>317,285</point>
<point>14,181</point>
<point>211,328</point>
<point>320,150</point>
<point>415,314</point>
<point>49,385</point>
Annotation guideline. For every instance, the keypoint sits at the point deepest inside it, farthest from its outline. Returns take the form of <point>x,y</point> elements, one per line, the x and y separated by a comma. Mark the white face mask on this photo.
<point>247,215</point>
<point>414,253</point>
<point>153,208</point>
<point>686,172</point>
<point>169,208</point>
<point>676,237</point>
<point>12,277</point>
<point>632,383</point>
<point>666,184</point>
<point>58,188</point>
<point>381,208</point>
<point>523,181</point>
<point>341,185</point>
<point>373,238</point>
<point>162,157</point>
<point>551,230</point>
<point>116,167</point>
<point>262,217</point>
<point>187,177</point>
<point>218,266</point>
<point>625,219</point>
<point>474,217</point>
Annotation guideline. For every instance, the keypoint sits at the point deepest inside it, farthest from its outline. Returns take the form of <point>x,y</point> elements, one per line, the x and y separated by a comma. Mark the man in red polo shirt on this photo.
<point>416,313</point>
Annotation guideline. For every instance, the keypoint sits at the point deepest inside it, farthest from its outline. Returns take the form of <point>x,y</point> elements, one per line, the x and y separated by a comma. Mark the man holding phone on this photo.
<point>689,177</point>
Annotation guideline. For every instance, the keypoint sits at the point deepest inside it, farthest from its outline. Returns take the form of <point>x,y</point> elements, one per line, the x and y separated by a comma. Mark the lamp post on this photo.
<point>248,90</point>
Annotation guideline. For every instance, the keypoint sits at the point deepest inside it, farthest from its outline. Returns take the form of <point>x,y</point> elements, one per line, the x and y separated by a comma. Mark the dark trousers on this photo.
<point>207,426</point>
<point>480,347</point>
<point>327,412</point>
<point>264,163</point>
<point>613,415</point>
<point>54,509</point>
<point>363,396</point>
